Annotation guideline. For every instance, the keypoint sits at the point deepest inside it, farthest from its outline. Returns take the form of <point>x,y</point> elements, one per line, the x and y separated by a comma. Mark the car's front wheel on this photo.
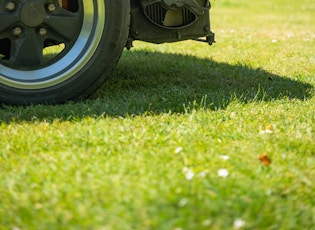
<point>52,51</point>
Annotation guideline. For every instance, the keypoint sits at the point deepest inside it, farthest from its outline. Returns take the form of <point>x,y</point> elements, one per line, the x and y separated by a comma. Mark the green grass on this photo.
<point>144,152</point>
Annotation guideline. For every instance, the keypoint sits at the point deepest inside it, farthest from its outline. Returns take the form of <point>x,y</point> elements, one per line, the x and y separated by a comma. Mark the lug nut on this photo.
<point>17,31</point>
<point>10,6</point>
<point>42,31</point>
<point>51,7</point>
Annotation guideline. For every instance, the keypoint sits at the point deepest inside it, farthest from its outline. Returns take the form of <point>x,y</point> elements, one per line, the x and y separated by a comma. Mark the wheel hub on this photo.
<point>32,13</point>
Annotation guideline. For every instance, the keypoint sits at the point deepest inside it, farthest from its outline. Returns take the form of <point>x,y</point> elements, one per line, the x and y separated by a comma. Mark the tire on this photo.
<point>64,52</point>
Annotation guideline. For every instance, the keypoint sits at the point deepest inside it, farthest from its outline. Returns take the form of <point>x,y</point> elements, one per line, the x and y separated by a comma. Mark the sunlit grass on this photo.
<point>172,140</point>
<point>51,52</point>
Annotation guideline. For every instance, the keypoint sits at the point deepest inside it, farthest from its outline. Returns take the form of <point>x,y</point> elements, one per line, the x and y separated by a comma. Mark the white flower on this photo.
<point>268,192</point>
<point>189,174</point>
<point>178,150</point>
<point>15,228</point>
<point>183,202</point>
<point>202,174</point>
<point>224,157</point>
<point>290,35</point>
<point>233,114</point>
<point>223,173</point>
<point>238,223</point>
<point>267,131</point>
<point>206,222</point>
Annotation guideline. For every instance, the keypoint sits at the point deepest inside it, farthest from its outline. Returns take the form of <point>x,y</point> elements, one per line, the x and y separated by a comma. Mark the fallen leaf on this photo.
<point>265,159</point>
<point>269,127</point>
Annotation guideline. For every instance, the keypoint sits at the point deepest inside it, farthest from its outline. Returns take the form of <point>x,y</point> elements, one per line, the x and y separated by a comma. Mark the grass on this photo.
<point>145,151</point>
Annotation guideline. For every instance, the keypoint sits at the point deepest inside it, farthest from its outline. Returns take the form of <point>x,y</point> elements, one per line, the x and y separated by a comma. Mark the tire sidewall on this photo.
<point>89,78</point>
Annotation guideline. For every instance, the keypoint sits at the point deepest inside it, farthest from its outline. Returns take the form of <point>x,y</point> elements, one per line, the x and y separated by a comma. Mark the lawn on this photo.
<point>172,141</point>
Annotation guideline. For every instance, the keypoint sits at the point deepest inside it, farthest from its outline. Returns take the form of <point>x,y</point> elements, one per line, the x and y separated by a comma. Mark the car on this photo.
<point>53,51</point>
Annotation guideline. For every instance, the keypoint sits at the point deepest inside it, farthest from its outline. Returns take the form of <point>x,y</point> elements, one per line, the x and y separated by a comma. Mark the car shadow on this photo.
<point>154,83</point>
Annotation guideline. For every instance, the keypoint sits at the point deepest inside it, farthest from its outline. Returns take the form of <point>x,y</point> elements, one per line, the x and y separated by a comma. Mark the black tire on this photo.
<point>87,36</point>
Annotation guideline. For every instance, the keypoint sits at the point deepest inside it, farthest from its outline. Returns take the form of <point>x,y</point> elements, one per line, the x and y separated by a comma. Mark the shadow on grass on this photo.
<point>154,83</point>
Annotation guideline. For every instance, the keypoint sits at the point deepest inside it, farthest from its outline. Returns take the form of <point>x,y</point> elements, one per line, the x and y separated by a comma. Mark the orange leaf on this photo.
<point>269,127</point>
<point>265,159</point>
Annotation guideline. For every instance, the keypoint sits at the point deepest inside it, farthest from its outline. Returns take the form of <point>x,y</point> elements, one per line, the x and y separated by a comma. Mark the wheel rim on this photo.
<point>78,29</point>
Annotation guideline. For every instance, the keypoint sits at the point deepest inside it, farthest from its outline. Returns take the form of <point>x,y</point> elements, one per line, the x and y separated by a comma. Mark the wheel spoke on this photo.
<point>63,23</point>
<point>6,20</point>
<point>27,50</point>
